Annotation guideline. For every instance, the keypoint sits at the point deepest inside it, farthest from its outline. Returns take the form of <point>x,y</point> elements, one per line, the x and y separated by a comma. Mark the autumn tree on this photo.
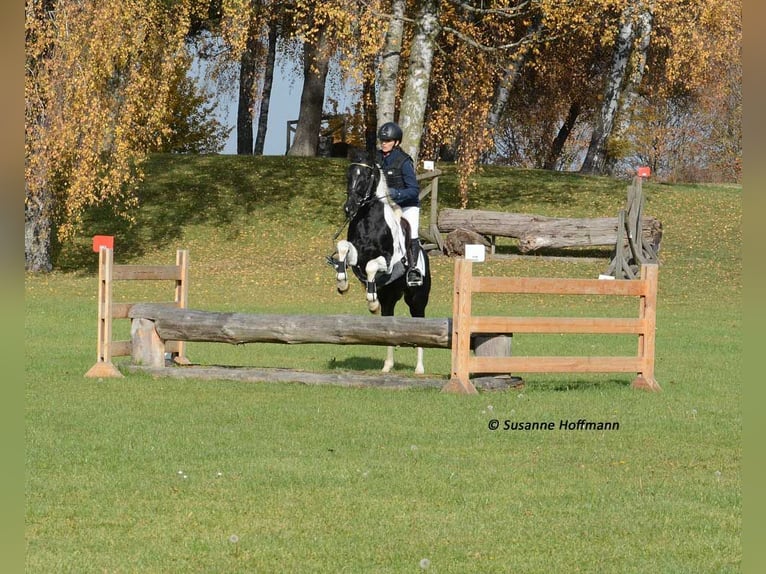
<point>99,83</point>
<point>688,119</point>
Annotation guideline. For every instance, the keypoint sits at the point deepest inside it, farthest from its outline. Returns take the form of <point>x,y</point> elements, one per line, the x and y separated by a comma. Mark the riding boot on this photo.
<point>414,276</point>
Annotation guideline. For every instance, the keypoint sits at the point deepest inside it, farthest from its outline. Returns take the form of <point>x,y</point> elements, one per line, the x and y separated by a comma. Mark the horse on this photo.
<point>375,248</point>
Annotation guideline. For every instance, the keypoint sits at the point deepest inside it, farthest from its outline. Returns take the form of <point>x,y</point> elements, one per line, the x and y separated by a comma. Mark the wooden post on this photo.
<point>182,301</point>
<point>646,340</point>
<point>491,345</point>
<point>104,366</point>
<point>461,330</point>
<point>432,187</point>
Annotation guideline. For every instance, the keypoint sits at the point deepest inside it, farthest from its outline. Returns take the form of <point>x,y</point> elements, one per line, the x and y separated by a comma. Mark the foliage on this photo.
<point>565,63</point>
<point>104,84</point>
<point>190,118</point>
<point>160,475</point>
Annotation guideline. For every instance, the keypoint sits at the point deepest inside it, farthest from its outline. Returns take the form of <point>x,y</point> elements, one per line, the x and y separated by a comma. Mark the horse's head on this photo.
<point>362,181</point>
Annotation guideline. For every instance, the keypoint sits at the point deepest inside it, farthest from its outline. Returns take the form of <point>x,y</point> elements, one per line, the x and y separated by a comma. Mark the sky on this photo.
<point>284,107</point>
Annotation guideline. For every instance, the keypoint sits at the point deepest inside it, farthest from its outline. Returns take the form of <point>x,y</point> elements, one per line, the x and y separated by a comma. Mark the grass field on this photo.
<point>160,475</point>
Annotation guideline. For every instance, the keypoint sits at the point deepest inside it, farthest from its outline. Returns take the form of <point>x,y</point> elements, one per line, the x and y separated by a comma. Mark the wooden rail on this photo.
<point>108,272</point>
<point>465,325</point>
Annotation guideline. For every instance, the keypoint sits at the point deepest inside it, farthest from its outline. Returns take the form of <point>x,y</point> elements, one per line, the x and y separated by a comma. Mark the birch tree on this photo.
<point>413,107</point>
<point>98,88</point>
<point>634,15</point>
<point>389,64</point>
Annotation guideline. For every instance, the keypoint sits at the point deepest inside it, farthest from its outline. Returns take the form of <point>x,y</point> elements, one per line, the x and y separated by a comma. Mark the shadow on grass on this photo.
<point>581,384</point>
<point>226,192</point>
<point>357,363</point>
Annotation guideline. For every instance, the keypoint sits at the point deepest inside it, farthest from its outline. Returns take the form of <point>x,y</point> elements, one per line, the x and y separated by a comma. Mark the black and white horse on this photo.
<point>375,249</point>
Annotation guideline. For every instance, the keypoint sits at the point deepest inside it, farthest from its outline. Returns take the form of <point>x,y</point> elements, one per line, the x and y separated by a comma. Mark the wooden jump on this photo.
<point>630,230</point>
<point>480,345</point>
<point>538,231</point>
<point>108,272</point>
<point>464,325</point>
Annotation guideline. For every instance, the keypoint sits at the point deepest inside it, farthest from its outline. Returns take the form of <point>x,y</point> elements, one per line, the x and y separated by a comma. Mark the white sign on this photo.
<point>428,165</point>
<point>475,252</point>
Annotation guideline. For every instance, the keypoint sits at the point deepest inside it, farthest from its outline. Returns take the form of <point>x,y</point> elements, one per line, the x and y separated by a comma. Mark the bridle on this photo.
<point>369,197</point>
<point>369,194</point>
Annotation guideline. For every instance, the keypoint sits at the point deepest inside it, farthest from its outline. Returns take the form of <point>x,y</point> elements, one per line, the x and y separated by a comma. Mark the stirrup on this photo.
<point>414,278</point>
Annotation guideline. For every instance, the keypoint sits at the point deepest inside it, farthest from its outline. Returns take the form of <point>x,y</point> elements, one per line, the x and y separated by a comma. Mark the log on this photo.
<point>538,231</point>
<point>456,241</point>
<point>175,324</point>
<point>342,379</point>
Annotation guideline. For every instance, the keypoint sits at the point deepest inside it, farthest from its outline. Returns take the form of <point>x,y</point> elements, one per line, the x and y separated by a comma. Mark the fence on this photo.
<point>465,325</point>
<point>108,272</point>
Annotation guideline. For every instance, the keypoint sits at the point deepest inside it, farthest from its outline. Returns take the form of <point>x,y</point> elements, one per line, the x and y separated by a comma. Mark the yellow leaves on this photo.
<point>97,85</point>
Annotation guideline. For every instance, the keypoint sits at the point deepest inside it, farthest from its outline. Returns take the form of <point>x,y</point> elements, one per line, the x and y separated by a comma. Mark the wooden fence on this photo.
<point>465,325</point>
<point>108,272</point>
<point>160,328</point>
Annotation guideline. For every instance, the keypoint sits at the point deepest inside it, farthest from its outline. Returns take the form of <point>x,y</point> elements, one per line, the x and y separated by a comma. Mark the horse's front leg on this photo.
<point>371,269</point>
<point>347,255</point>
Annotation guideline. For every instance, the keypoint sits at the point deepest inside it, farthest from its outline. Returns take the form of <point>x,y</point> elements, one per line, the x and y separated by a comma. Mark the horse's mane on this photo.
<point>359,155</point>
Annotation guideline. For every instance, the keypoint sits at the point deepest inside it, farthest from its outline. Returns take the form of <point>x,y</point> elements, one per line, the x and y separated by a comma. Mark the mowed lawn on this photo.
<point>139,474</point>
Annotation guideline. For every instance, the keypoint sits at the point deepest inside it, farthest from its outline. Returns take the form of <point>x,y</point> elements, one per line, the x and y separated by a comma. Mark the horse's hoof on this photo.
<point>373,306</point>
<point>343,287</point>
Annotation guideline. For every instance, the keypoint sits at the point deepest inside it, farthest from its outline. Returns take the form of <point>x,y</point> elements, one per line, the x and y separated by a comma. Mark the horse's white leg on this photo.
<point>372,268</point>
<point>388,364</point>
<point>346,253</point>
<point>419,365</point>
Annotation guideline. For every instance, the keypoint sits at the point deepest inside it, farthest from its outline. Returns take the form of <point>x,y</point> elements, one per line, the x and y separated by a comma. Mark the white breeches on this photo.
<point>412,215</point>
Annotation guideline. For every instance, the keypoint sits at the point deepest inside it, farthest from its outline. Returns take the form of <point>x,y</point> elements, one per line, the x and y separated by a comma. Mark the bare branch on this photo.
<point>510,12</point>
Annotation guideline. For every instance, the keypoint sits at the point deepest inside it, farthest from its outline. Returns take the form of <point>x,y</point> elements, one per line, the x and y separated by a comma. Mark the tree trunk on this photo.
<point>630,93</point>
<point>316,62</point>
<point>370,109</point>
<point>413,108</point>
<point>174,324</point>
<point>38,233</point>
<point>246,104</point>
<point>558,143</point>
<point>595,159</point>
<point>504,87</point>
<point>268,82</point>
<point>389,66</point>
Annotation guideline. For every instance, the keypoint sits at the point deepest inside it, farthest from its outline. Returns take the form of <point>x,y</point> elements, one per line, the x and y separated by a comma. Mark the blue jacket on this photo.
<point>399,170</point>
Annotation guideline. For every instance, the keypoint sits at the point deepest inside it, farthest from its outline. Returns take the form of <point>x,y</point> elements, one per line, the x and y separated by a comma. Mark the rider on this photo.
<point>403,189</point>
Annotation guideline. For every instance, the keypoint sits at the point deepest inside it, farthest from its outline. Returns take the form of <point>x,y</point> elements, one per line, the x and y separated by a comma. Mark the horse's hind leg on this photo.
<point>388,364</point>
<point>419,368</point>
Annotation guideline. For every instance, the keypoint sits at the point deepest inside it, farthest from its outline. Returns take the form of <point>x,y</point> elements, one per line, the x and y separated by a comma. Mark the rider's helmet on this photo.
<point>390,131</point>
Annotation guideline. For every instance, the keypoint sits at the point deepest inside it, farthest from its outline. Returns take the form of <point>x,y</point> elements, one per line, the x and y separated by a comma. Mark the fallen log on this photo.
<point>175,324</point>
<point>538,231</point>
<point>456,240</point>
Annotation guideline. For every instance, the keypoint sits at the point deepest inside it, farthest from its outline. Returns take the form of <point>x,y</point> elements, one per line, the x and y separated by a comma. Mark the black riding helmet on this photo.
<point>390,131</point>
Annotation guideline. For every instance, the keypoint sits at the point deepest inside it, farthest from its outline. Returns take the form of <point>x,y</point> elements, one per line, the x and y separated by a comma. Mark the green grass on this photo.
<point>159,475</point>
